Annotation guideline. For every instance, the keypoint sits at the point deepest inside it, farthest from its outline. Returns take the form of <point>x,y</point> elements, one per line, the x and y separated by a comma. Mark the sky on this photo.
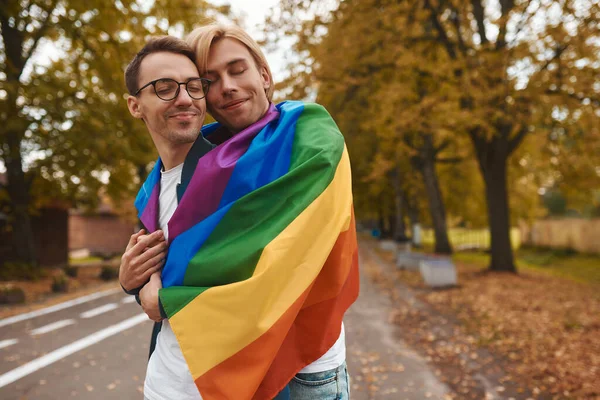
<point>254,13</point>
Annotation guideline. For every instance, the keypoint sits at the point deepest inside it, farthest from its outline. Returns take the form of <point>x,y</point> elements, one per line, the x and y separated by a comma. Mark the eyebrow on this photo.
<point>229,64</point>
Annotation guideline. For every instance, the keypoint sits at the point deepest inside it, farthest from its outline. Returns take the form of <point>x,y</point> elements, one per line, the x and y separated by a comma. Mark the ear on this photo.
<point>265,78</point>
<point>134,107</point>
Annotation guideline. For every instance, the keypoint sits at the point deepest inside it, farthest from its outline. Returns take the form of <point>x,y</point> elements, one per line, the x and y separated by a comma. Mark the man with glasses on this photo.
<point>167,93</point>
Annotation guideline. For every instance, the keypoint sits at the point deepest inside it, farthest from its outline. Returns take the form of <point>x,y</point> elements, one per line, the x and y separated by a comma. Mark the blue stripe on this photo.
<point>268,157</point>
<point>141,200</point>
<point>185,246</point>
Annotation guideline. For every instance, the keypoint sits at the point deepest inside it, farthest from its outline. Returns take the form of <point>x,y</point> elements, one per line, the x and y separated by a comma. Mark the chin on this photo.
<point>185,137</point>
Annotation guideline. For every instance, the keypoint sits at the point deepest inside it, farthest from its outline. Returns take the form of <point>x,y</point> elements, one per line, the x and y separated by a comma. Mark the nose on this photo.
<point>227,84</point>
<point>183,98</point>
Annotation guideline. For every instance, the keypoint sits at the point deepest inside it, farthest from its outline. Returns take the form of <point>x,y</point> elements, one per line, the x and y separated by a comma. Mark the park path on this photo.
<point>381,364</point>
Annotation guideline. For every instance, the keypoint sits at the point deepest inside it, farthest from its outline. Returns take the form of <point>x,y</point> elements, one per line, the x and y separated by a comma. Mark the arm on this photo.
<point>149,298</point>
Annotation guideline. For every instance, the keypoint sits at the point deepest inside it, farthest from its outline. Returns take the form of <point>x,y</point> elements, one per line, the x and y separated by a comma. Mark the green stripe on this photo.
<point>232,251</point>
<point>175,298</point>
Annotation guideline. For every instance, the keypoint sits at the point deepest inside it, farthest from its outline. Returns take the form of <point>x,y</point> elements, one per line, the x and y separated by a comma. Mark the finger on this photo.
<point>155,238</point>
<point>145,277</point>
<point>134,238</point>
<point>151,254</point>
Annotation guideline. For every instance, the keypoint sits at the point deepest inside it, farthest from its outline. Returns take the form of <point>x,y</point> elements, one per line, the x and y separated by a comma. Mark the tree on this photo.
<point>517,69</point>
<point>65,125</point>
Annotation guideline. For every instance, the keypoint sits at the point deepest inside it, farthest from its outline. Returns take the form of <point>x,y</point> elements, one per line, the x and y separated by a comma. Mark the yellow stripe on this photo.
<point>225,319</point>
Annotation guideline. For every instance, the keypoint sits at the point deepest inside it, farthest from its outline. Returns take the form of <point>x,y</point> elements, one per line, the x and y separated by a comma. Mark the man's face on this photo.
<point>237,97</point>
<point>175,122</point>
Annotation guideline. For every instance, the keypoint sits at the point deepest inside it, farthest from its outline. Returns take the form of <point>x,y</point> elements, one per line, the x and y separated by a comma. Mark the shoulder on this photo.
<point>310,117</point>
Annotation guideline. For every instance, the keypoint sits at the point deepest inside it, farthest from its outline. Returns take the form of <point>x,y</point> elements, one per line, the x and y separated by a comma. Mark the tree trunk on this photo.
<point>399,225</point>
<point>496,191</point>
<point>380,217</point>
<point>425,163</point>
<point>492,157</point>
<point>436,208</point>
<point>19,199</point>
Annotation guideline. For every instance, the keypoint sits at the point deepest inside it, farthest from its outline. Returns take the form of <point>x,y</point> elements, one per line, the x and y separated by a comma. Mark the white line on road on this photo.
<point>69,349</point>
<point>99,310</point>
<point>128,299</point>
<point>52,327</point>
<point>61,306</point>
<point>8,342</point>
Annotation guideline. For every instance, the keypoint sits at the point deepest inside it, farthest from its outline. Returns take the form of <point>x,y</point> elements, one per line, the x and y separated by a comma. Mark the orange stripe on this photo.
<point>300,336</point>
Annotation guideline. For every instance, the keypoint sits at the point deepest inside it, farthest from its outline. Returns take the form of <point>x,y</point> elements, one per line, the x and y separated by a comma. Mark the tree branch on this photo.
<point>479,14</point>
<point>42,31</point>
<point>455,18</point>
<point>525,20</point>
<point>407,139</point>
<point>443,146</point>
<point>443,36</point>
<point>575,96</point>
<point>506,7</point>
<point>517,139</point>
<point>560,48</point>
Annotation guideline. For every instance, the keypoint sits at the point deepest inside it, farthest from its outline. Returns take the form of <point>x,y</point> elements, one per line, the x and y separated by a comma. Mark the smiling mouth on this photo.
<point>235,104</point>
<point>183,116</point>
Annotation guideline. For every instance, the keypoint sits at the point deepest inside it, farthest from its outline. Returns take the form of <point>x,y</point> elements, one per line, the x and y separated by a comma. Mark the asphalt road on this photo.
<point>93,350</point>
<point>96,347</point>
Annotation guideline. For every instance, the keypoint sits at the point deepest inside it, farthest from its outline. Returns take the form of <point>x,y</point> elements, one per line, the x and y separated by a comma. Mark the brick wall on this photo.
<point>50,235</point>
<point>106,234</point>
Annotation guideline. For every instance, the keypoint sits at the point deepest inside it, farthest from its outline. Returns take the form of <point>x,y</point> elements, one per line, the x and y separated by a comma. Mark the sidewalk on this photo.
<point>380,363</point>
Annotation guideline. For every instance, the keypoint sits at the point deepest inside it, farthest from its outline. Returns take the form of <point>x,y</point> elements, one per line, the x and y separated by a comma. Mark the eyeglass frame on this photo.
<point>153,83</point>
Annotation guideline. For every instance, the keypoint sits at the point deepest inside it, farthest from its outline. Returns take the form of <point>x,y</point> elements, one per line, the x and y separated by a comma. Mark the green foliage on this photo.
<point>70,113</point>
<point>60,283</point>
<point>13,271</point>
<point>109,273</point>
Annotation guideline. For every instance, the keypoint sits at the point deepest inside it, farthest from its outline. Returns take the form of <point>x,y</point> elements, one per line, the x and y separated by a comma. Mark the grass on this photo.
<point>578,267</point>
<point>474,237</point>
<point>85,260</point>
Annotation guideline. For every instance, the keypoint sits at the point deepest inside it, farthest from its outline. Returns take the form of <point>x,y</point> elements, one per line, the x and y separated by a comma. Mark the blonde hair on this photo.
<point>201,39</point>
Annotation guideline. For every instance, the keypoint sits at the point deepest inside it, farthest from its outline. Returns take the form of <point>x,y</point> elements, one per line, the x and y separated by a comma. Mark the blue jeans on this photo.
<point>327,385</point>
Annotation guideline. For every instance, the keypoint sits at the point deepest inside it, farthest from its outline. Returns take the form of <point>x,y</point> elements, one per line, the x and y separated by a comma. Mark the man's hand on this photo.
<point>144,255</point>
<point>149,297</point>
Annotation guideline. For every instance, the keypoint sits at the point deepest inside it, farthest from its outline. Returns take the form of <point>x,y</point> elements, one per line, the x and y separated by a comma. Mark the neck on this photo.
<point>173,156</point>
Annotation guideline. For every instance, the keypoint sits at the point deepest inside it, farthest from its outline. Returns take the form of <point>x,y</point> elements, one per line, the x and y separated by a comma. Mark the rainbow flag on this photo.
<point>263,258</point>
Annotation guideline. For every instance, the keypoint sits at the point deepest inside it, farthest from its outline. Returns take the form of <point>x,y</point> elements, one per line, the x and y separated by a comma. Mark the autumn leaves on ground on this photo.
<point>542,331</point>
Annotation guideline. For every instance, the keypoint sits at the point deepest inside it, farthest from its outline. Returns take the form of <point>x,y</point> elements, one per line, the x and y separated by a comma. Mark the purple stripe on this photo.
<point>211,176</point>
<point>150,215</point>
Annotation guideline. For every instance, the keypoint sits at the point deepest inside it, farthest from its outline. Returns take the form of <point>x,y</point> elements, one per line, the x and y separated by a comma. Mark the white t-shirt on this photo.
<point>167,375</point>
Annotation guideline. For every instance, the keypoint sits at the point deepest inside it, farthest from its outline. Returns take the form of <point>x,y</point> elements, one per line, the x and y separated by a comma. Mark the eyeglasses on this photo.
<point>168,89</point>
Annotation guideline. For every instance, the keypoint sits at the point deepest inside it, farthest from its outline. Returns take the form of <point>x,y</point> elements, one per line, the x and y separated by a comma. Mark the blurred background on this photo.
<point>473,128</point>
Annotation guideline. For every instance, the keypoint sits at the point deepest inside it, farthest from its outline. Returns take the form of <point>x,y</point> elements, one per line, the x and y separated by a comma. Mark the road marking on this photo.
<point>52,327</point>
<point>58,354</point>
<point>8,342</point>
<point>57,307</point>
<point>128,299</point>
<point>99,310</point>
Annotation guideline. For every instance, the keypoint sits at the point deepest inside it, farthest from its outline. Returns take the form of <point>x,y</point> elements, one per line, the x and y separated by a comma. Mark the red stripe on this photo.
<point>303,333</point>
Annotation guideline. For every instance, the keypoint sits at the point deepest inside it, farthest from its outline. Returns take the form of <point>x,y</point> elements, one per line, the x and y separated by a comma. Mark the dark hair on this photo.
<point>158,44</point>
